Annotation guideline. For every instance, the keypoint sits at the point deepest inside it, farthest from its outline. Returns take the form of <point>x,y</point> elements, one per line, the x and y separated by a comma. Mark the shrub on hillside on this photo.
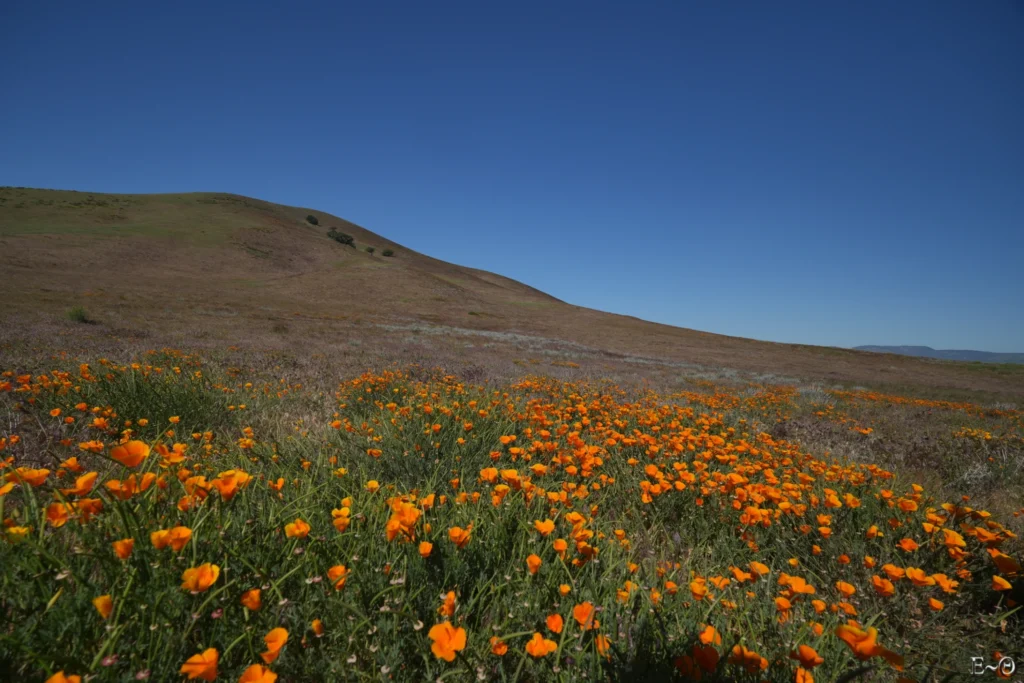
<point>78,315</point>
<point>312,220</point>
<point>341,237</point>
<point>388,252</point>
<point>370,250</point>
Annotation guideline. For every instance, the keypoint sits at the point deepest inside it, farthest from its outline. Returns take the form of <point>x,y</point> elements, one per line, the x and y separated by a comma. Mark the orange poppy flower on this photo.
<point>798,585</point>
<point>533,563</point>
<point>199,579</point>
<point>883,587</point>
<point>203,665</point>
<point>748,659</point>
<point>865,646</point>
<point>893,572</point>
<point>539,646</point>
<point>130,454</point>
<point>498,646</point>
<point>554,623</point>
<point>123,548</point>
<point>447,640</point>
<point>177,538</point>
<point>447,608</point>
<point>1005,563</point>
<point>544,527</point>
<point>251,599</point>
<point>459,536</point>
<point>275,640</point>
<point>847,589</point>
<point>83,485</point>
<point>741,575</point>
<point>338,574</point>
<point>908,545</point>
<point>104,605</point>
<point>807,656</point>
<point>944,582</point>
<point>584,613</point>
<point>952,539</point>
<point>710,636</point>
<point>1000,584</point>
<point>296,529</point>
<point>318,627</point>
<point>706,657</point>
<point>919,577</point>
<point>257,673</point>
<point>425,549</point>
<point>61,677</point>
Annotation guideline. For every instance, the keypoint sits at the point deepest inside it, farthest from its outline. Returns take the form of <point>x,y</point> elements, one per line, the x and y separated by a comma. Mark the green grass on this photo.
<point>438,451</point>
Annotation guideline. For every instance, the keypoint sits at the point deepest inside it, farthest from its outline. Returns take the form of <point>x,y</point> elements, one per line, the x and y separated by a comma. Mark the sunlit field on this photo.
<point>176,519</point>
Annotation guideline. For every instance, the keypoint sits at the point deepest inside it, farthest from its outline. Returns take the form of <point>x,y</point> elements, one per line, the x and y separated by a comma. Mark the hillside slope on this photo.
<point>224,267</point>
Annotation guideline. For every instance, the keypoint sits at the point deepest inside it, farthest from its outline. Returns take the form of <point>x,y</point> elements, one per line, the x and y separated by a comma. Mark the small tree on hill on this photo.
<point>312,220</point>
<point>341,237</point>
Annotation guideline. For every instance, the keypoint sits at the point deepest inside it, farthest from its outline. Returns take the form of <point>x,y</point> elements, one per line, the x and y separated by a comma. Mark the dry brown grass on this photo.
<point>218,269</point>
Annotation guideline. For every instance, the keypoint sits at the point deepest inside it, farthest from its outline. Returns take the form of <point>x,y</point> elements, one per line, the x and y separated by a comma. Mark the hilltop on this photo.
<point>216,268</point>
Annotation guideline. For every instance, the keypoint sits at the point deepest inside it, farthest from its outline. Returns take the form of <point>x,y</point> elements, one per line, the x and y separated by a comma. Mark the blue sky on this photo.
<point>824,173</point>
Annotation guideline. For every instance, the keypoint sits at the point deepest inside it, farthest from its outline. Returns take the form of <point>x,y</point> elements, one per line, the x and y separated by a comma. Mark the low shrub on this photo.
<point>341,237</point>
<point>78,315</point>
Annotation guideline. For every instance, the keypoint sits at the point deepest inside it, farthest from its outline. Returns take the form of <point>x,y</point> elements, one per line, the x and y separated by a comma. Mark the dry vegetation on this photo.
<point>255,273</point>
<point>534,493</point>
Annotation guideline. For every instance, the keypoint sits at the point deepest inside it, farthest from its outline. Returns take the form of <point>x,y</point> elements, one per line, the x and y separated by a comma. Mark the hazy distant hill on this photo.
<point>947,354</point>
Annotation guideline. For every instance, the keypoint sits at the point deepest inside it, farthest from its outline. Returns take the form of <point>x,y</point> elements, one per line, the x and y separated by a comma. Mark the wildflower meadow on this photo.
<point>170,519</point>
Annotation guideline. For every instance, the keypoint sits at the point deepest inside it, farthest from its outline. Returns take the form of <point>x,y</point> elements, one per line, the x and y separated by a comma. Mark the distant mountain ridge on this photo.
<point>947,354</point>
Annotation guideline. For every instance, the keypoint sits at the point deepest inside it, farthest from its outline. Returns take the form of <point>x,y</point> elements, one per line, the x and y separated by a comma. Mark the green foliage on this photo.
<point>388,252</point>
<point>370,250</point>
<point>442,448</point>
<point>312,220</point>
<point>341,237</point>
<point>159,396</point>
<point>78,315</point>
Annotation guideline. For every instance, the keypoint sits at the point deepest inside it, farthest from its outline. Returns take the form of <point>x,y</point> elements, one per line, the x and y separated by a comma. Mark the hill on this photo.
<point>215,268</point>
<point>947,354</point>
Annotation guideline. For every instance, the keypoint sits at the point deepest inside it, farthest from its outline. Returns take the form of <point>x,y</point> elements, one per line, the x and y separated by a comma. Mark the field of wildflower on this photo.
<point>173,520</point>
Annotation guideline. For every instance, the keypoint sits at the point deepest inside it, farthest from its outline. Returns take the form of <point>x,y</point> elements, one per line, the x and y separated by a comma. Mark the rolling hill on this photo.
<point>217,268</point>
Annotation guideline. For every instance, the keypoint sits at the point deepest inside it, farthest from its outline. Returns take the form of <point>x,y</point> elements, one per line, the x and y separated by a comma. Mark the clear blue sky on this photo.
<point>836,173</point>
